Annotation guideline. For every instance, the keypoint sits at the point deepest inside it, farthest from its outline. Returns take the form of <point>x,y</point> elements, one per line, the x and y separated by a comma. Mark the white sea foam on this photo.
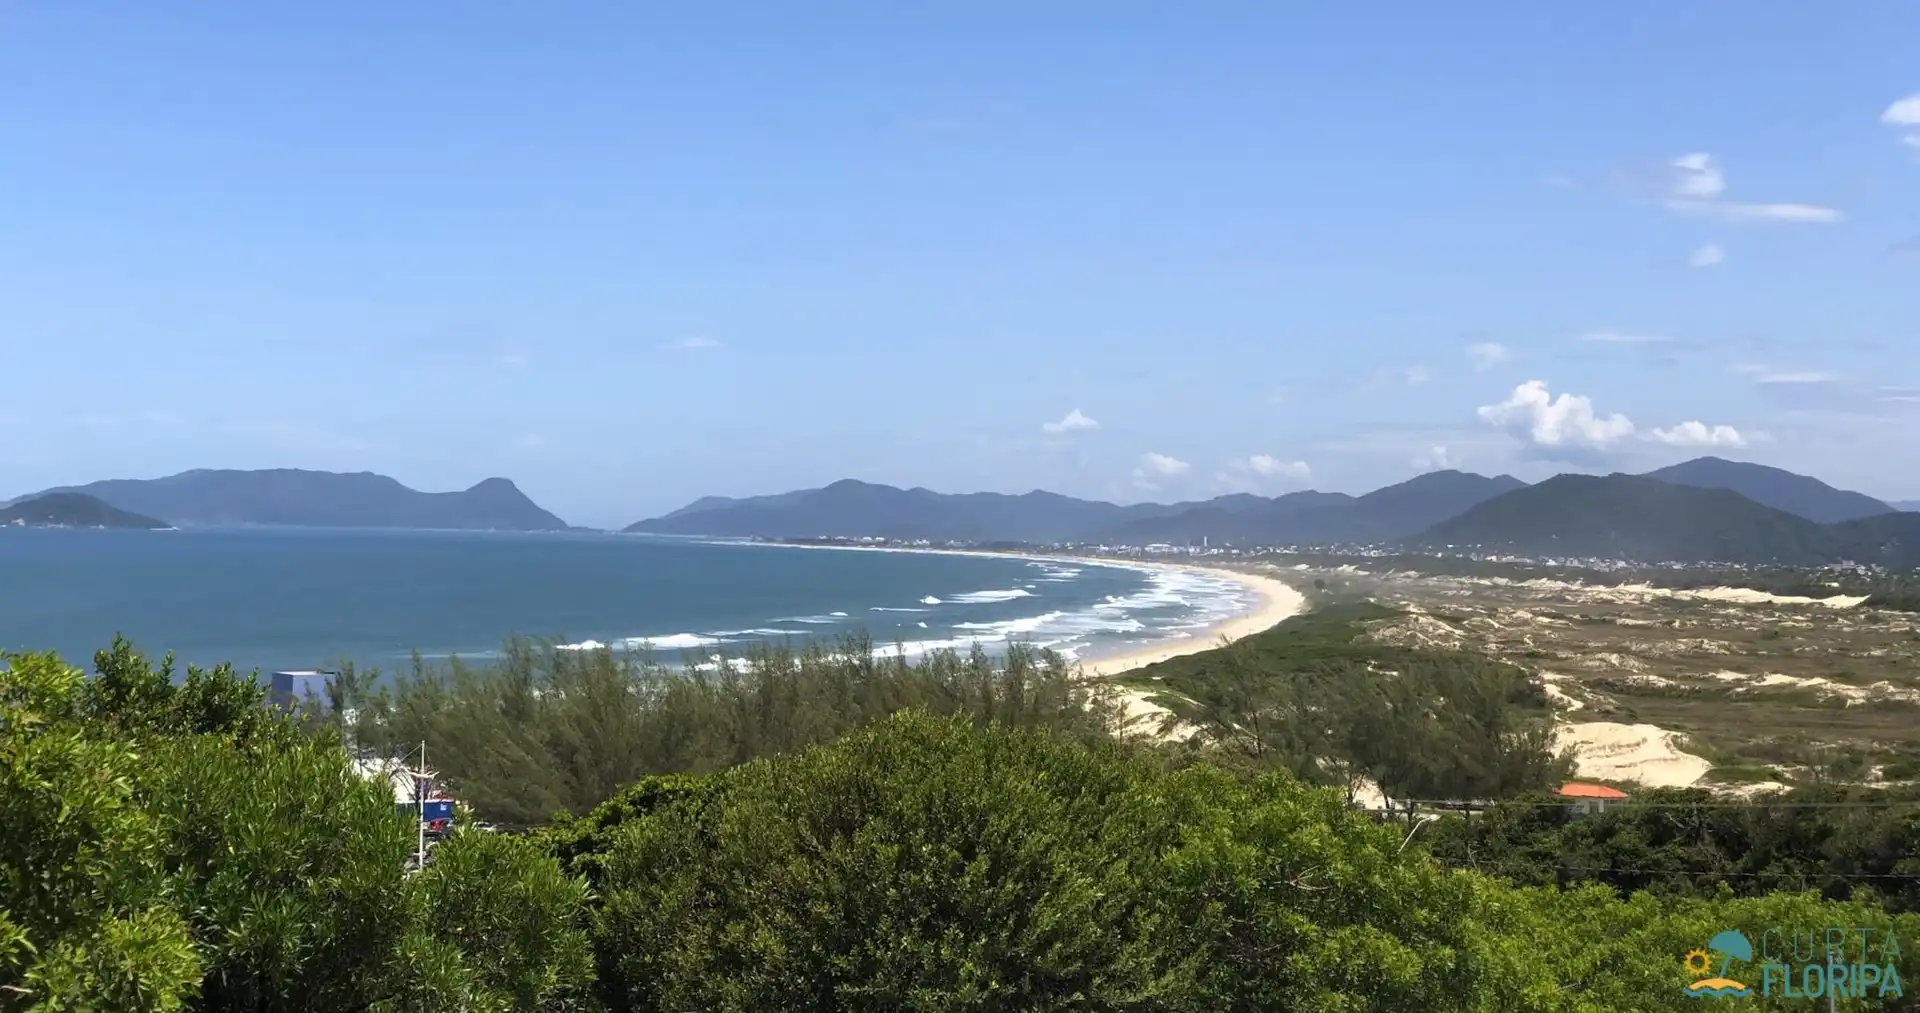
<point>1013,626</point>
<point>930,600</point>
<point>838,615</point>
<point>990,597</point>
<point>1066,625</point>
<point>826,620</point>
<point>1053,573</point>
<point>1173,605</point>
<point>674,642</point>
<point>883,608</point>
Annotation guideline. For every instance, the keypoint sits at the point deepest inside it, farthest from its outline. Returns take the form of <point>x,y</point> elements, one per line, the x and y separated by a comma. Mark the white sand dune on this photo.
<point>1629,593</point>
<point>1647,754</point>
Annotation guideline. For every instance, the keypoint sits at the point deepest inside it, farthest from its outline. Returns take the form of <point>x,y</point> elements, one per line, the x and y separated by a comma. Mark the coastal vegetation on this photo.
<point>836,829</point>
<point>1845,842</point>
<point>174,844</point>
<point>545,730</point>
<point>1314,697</point>
<point>1897,590</point>
<point>1681,676</point>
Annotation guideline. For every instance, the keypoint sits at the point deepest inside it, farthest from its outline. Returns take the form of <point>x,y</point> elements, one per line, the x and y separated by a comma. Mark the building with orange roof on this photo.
<point>1591,798</point>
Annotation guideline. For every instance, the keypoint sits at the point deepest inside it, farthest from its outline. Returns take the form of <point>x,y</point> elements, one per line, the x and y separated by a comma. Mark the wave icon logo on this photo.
<point>1731,946</point>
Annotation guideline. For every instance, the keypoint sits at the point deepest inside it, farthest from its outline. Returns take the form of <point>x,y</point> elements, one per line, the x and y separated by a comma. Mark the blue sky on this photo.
<point>627,257</point>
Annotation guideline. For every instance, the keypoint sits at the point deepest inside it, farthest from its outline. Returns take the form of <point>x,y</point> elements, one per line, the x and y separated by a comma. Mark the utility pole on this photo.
<point>420,807</point>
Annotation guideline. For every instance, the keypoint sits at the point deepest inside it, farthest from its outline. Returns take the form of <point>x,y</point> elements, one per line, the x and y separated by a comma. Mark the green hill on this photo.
<point>1634,517</point>
<point>73,510</point>
<point>1782,490</point>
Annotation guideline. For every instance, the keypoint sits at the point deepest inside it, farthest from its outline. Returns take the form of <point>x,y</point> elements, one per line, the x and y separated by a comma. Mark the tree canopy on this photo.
<point>176,844</point>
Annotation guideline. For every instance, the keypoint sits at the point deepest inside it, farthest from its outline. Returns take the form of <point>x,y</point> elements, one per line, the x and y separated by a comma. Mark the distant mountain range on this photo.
<point>318,499</point>
<point>73,510</point>
<point>1319,518</point>
<point>1705,509</point>
<point>851,509</point>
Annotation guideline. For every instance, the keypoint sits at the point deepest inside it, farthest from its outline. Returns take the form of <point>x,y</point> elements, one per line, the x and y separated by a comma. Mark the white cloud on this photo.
<point>1568,425</point>
<point>1268,466</point>
<point>1156,467</point>
<point>1164,466</point>
<point>696,342</point>
<point>1072,422</point>
<point>1799,214</point>
<point>1699,434</point>
<point>1697,177</point>
<point>1417,375</point>
<point>1568,421</point>
<point>1759,373</point>
<point>1695,185</point>
<point>1618,338</point>
<point>1905,115</point>
<point>1709,255</point>
<point>1439,458</point>
<point>1488,354</point>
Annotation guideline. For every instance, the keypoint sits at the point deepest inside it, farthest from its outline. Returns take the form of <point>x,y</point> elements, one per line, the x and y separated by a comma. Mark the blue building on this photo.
<point>294,689</point>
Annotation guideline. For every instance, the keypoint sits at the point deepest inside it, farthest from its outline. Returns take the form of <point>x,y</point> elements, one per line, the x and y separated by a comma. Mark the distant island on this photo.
<point>74,510</point>
<point>286,496</point>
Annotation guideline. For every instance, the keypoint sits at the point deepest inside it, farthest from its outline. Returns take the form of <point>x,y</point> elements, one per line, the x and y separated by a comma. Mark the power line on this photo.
<point>1446,804</point>
<point>1500,866</point>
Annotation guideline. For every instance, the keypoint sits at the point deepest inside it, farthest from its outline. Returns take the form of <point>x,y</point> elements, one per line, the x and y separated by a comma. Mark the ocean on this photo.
<point>284,598</point>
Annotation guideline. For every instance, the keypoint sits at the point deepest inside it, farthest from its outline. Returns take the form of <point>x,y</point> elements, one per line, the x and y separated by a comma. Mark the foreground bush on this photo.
<point>928,865</point>
<point>182,846</point>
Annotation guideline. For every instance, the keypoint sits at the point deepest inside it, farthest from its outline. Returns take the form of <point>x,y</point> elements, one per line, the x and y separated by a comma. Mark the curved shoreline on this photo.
<point>1275,602</point>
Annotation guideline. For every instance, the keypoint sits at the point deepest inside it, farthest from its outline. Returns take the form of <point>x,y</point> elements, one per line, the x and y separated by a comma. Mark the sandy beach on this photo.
<point>1278,602</point>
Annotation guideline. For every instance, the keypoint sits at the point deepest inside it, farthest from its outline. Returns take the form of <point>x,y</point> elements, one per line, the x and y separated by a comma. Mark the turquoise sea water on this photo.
<point>299,598</point>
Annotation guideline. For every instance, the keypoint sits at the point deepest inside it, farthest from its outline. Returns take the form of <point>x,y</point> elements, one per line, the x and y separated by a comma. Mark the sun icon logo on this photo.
<point>1731,946</point>
<point>1697,962</point>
